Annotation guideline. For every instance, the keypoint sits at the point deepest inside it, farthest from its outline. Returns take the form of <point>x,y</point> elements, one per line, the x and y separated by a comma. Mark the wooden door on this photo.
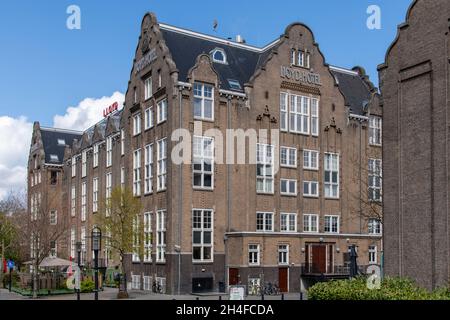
<point>233,276</point>
<point>319,259</point>
<point>283,279</point>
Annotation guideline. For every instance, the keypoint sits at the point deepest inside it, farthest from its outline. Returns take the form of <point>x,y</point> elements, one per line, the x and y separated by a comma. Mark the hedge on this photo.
<point>391,289</point>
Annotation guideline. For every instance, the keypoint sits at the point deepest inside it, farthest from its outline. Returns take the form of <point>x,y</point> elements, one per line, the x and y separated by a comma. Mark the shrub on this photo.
<point>87,285</point>
<point>391,289</point>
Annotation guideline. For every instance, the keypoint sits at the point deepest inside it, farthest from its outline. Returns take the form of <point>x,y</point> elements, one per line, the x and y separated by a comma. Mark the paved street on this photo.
<point>110,294</point>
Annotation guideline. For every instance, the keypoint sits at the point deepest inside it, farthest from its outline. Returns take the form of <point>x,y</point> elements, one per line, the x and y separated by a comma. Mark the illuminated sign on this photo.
<point>111,109</point>
<point>300,75</point>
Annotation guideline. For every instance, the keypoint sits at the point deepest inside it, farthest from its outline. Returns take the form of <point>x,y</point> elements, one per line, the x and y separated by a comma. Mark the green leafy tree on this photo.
<point>120,220</point>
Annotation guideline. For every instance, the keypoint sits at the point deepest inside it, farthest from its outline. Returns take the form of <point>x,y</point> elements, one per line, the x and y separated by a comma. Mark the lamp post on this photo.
<point>78,245</point>
<point>96,237</point>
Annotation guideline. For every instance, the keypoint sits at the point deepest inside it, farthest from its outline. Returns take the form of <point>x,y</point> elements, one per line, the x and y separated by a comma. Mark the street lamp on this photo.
<point>96,237</point>
<point>78,245</point>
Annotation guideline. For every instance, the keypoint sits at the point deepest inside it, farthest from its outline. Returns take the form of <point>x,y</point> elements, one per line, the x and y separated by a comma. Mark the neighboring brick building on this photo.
<point>414,82</point>
<point>237,223</point>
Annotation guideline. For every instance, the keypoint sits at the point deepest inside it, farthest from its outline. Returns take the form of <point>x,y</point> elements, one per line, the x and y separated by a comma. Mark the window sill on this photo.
<point>311,169</point>
<point>288,195</point>
<point>204,119</point>
<point>254,265</point>
<point>330,198</point>
<point>203,189</point>
<point>310,197</point>
<point>265,193</point>
<point>288,167</point>
<point>162,122</point>
<point>148,129</point>
<point>162,190</point>
<point>148,194</point>
<point>196,262</point>
<point>375,145</point>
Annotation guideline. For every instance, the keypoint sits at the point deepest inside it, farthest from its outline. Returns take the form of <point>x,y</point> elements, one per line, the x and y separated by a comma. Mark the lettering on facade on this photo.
<point>300,76</point>
<point>146,60</point>
<point>111,109</point>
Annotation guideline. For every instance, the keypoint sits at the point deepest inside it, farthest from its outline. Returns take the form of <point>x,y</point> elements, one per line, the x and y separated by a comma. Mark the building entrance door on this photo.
<point>283,279</point>
<point>233,277</point>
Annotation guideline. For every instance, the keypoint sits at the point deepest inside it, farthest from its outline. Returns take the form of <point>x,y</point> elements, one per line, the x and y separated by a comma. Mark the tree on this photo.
<point>119,218</point>
<point>43,232</point>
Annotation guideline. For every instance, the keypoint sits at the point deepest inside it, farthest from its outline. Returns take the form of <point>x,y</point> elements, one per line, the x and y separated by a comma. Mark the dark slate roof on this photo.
<point>50,141</point>
<point>356,92</point>
<point>241,62</point>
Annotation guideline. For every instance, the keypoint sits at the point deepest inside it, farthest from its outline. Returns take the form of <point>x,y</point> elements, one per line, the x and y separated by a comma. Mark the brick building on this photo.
<point>414,82</point>
<point>289,217</point>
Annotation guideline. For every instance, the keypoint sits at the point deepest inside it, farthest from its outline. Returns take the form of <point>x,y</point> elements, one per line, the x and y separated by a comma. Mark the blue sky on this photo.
<point>44,67</point>
<point>65,78</point>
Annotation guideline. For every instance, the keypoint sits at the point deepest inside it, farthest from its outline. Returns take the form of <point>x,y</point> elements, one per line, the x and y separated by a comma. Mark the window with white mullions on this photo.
<point>311,189</point>
<point>136,124</point>
<point>203,101</point>
<point>136,240</point>
<point>264,221</point>
<point>374,227</point>
<point>161,236</point>
<point>95,195</point>
<point>203,162</point>
<point>375,130</point>
<point>83,163</point>
<point>264,168</point>
<point>310,160</point>
<point>83,201</point>
<point>288,222</point>
<point>162,165</point>
<point>109,152</point>
<point>373,255</point>
<point>311,223</point>
<point>202,235</point>
<point>137,172</point>
<point>148,118</point>
<point>299,114</point>
<point>161,107</point>
<point>284,105</point>
<point>331,224</point>
<point>148,85</point>
<point>108,193</point>
<point>253,254</point>
<point>95,156</point>
<point>288,187</point>
<point>148,174</point>
<point>288,157</point>
<point>73,200</point>
<point>283,254</point>
<point>148,236</point>
<point>331,175</point>
<point>53,217</point>
<point>314,117</point>
<point>375,180</point>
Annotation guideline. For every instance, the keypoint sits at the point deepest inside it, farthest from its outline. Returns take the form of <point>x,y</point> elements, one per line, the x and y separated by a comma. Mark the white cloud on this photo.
<point>16,135</point>
<point>87,113</point>
<point>15,142</point>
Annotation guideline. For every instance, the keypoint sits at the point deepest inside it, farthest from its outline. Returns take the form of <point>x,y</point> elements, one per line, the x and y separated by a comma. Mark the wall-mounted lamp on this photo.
<point>321,240</point>
<point>338,250</point>
<point>303,250</point>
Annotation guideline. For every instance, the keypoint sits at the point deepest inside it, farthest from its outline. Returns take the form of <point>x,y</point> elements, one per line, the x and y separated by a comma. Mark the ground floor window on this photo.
<point>373,254</point>
<point>148,283</point>
<point>253,254</point>
<point>283,254</point>
<point>135,282</point>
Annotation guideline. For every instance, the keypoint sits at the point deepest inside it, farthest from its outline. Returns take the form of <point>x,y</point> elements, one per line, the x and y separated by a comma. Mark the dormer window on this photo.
<point>61,142</point>
<point>219,56</point>
<point>234,84</point>
<point>300,58</point>
<point>54,158</point>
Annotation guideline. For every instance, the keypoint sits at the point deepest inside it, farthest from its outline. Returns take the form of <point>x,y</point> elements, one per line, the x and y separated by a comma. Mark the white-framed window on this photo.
<point>314,117</point>
<point>161,107</point>
<point>83,246</point>
<point>253,254</point>
<point>310,160</point>
<point>148,283</point>
<point>83,164</point>
<point>122,178</point>
<point>136,240</point>
<point>284,106</point>
<point>159,79</point>
<point>373,253</point>
<point>288,187</point>
<point>283,254</point>
<point>136,124</point>
<point>161,236</point>
<point>108,193</point>
<point>148,174</point>
<point>83,201</point>
<point>148,237</point>
<point>39,177</point>
<point>264,221</point>
<point>95,156</point>
<point>122,142</point>
<point>148,86</point>
<point>53,249</point>
<point>288,222</point>
<point>136,282</point>
<point>109,152</point>
<point>264,168</point>
<point>74,166</point>
<point>288,157</point>
<point>148,118</point>
<point>73,240</point>
<point>299,114</point>
<point>53,217</point>
<point>203,162</point>
<point>203,101</point>
<point>374,227</point>
<point>95,195</point>
<point>310,189</point>
<point>300,58</point>
<point>202,235</point>
<point>219,56</point>
<point>311,223</point>
<point>331,175</point>
<point>73,199</point>
<point>162,164</point>
<point>135,95</point>
<point>137,172</point>
<point>375,180</point>
<point>375,131</point>
<point>331,224</point>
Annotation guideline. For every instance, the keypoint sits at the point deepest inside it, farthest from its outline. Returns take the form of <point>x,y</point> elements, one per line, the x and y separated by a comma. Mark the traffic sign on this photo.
<point>10,264</point>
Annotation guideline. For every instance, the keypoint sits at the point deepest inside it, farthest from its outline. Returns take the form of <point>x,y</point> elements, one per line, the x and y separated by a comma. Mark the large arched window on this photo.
<point>218,55</point>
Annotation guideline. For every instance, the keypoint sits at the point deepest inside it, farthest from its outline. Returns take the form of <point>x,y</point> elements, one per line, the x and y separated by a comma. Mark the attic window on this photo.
<point>54,158</point>
<point>219,56</point>
<point>61,142</point>
<point>234,84</point>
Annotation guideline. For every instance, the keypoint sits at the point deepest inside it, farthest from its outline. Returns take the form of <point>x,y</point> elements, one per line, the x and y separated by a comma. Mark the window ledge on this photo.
<point>195,262</point>
<point>288,167</point>
<point>203,189</point>
<point>310,197</point>
<point>289,195</point>
<point>204,119</point>
<point>330,198</point>
<point>265,193</point>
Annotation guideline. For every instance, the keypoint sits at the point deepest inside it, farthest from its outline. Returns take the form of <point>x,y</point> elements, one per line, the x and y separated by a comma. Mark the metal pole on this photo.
<point>10,279</point>
<point>79,274</point>
<point>96,274</point>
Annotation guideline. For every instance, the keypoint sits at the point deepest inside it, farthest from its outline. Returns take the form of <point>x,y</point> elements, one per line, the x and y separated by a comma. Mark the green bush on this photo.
<point>391,289</point>
<point>87,285</point>
<point>15,279</point>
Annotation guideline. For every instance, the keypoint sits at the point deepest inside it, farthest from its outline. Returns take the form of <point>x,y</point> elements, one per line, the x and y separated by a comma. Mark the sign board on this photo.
<point>237,293</point>
<point>10,264</point>
<point>300,75</point>
<point>145,61</point>
<point>112,108</point>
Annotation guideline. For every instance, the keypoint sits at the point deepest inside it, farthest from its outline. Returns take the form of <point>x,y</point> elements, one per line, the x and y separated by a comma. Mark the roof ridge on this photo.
<point>344,70</point>
<point>60,130</point>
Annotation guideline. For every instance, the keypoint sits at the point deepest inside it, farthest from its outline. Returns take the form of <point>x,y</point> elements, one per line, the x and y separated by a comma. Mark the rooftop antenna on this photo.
<point>215,25</point>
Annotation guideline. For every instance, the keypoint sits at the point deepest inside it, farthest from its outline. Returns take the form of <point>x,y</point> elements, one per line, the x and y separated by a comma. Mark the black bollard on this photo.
<point>282,296</point>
